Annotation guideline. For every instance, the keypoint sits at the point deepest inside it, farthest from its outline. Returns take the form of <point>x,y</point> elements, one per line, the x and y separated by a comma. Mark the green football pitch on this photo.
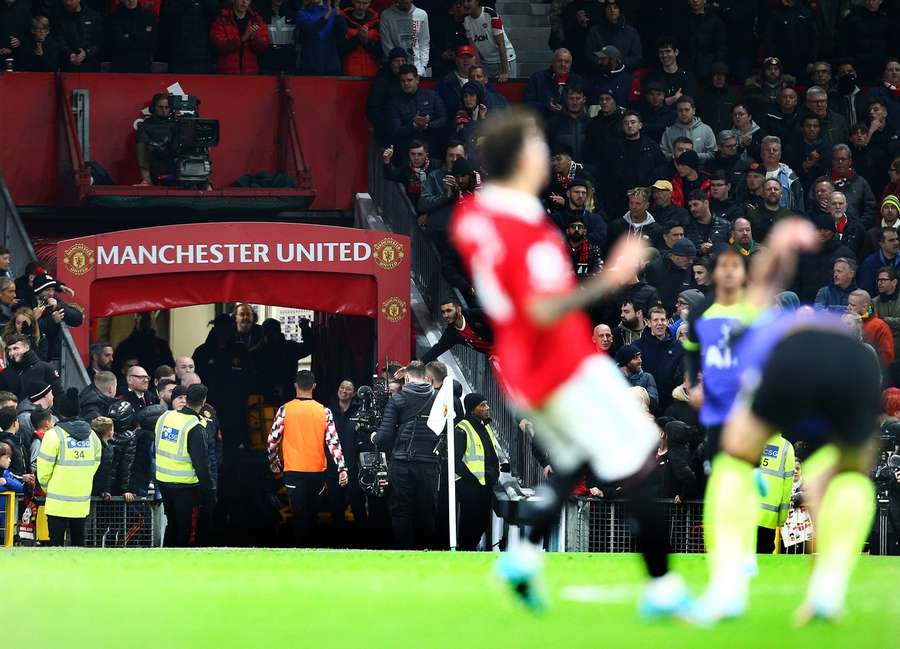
<point>283,598</point>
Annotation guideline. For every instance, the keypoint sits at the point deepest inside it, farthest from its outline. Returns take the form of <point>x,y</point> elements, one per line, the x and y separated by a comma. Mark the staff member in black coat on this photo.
<point>464,327</point>
<point>414,465</point>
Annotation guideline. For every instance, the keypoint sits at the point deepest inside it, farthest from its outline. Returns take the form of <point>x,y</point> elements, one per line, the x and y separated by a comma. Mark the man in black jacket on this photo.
<point>464,327</point>
<point>629,161</point>
<point>79,31</point>
<point>132,34</point>
<point>414,465</point>
<point>670,273</point>
<point>28,367</point>
<point>56,313</point>
<point>95,399</point>
<point>416,113</point>
<point>814,270</point>
<point>186,32</point>
<point>15,21</point>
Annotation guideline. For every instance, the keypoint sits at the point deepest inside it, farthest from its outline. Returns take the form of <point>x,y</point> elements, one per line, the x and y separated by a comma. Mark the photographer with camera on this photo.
<point>154,142</point>
<point>414,464</point>
<point>55,314</point>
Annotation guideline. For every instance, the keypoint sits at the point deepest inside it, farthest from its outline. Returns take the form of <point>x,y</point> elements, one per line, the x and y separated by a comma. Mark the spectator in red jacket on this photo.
<point>876,331</point>
<point>239,36</point>
<point>361,46</point>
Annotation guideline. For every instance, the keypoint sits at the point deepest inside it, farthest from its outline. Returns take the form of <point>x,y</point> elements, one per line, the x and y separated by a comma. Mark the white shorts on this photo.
<point>592,418</point>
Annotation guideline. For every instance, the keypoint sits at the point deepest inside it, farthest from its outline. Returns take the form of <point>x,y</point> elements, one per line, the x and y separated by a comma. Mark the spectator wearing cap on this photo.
<point>385,86</point>
<point>866,37</point>
<point>610,75</point>
<point>630,161</point>
<point>791,34</point>
<point>629,360</point>
<point>890,218</point>
<point>686,302</point>
<point>671,272</point>
<point>814,269</point>
<point>716,101</point>
<point>472,112</point>
<point>656,114</point>
<point>835,129</point>
<point>613,31</point>
<point>664,210</point>
<point>751,192</point>
<point>38,396</point>
<point>450,86</point>
<point>587,258</point>
<point>688,177</point>
<point>28,367</point>
<point>576,207</point>
<point>56,313</point>
<point>704,230</point>
<point>676,80</point>
<point>603,128</point>
<point>66,463</point>
<point>360,48</point>
<point>702,39</point>
<point>763,89</point>
<point>479,459</point>
<point>690,126</point>
<point>492,99</point>
<point>416,113</point>
<point>572,122</point>
<point>545,91</point>
<point>741,238</point>
<point>764,217</point>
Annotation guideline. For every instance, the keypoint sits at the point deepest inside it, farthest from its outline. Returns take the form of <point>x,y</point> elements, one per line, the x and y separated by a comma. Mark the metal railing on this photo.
<point>398,214</point>
<point>14,237</point>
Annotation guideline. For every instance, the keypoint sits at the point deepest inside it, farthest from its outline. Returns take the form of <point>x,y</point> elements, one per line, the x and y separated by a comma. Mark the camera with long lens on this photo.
<point>373,474</point>
<point>192,138</point>
<point>368,416</point>
<point>887,464</point>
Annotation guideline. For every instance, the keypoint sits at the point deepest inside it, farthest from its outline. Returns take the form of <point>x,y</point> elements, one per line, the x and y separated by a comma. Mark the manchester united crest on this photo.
<point>79,259</point>
<point>394,309</point>
<point>388,253</point>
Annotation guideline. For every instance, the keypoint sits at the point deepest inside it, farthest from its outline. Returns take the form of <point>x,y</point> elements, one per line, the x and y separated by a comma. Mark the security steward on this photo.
<point>302,429</point>
<point>414,465</point>
<point>777,468</point>
<point>478,464</point>
<point>67,461</point>
<point>182,470</point>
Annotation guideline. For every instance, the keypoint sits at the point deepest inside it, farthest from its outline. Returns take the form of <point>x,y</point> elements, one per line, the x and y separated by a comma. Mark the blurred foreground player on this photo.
<point>578,399</point>
<point>804,375</point>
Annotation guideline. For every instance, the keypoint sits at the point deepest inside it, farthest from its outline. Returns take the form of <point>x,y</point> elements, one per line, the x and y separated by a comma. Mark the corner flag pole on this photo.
<point>451,481</point>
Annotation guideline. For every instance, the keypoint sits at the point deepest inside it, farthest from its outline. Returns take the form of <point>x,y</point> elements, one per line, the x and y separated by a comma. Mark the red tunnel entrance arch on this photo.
<point>325,268</point>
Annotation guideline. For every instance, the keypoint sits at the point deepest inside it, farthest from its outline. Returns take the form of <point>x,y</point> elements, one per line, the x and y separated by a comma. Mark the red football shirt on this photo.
<point>514,255</point>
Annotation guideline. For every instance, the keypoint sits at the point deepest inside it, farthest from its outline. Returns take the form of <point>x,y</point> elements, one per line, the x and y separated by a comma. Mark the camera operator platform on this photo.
<point>154,147</point>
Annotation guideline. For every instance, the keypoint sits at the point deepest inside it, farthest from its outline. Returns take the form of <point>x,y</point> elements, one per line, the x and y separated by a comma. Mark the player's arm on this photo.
<point>624,261</point>
<point>773,267</point>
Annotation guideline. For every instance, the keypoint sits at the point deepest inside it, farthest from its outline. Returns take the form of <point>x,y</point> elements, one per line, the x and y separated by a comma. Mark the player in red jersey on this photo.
<point>580,403</point>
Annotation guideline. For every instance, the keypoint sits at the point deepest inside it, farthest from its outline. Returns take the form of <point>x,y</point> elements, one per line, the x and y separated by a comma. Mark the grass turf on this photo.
<point>281,598</point>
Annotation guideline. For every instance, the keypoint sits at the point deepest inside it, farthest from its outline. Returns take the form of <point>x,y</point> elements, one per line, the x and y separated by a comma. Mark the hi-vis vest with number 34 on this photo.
<point>474,456</point>
<point>71,464</point>
<point>173,463</point>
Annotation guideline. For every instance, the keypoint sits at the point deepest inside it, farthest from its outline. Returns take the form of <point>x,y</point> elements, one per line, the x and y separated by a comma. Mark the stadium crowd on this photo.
<point>694,125</point>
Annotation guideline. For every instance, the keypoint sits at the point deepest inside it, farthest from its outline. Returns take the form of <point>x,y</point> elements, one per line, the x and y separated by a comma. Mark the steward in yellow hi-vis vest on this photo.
<point>776,467</point>
<point>67,460</point>
<point>478,458</point>
<point>182,470</point>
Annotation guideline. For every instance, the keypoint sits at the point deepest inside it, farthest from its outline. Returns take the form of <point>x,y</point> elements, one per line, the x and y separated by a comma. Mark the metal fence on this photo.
<point>14,237</point>
<point>399,216</point>
<point>595,525</point>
